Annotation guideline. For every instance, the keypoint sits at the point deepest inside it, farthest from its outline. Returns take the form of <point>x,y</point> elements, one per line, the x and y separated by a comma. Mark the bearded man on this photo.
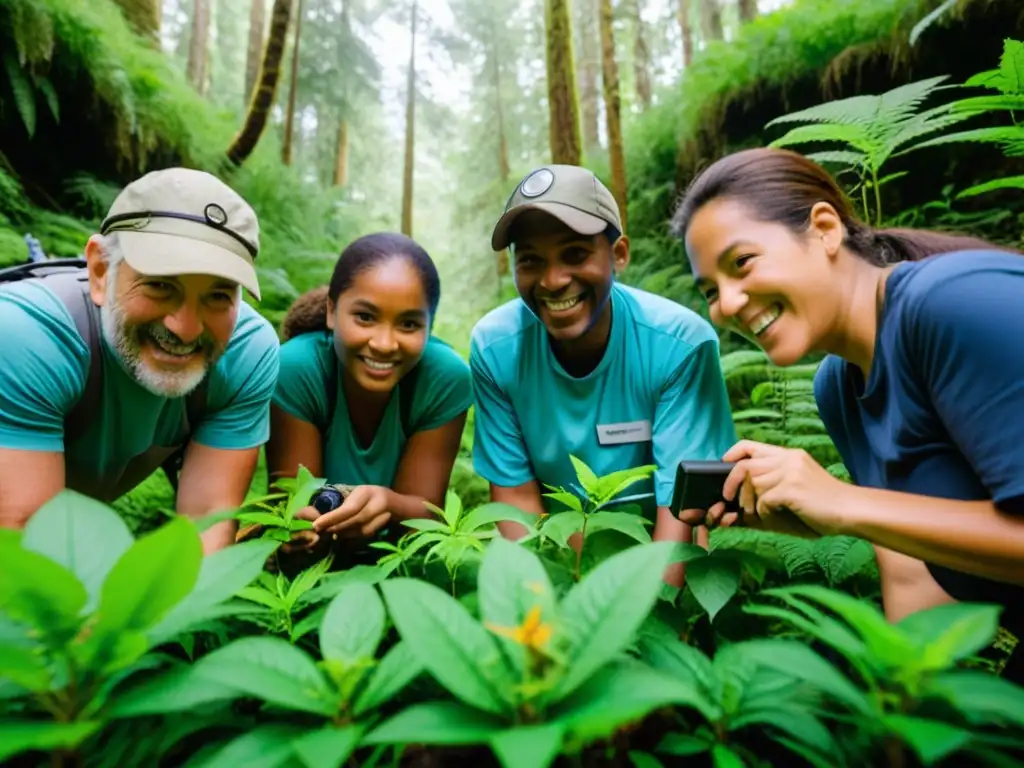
<point>146,354</point>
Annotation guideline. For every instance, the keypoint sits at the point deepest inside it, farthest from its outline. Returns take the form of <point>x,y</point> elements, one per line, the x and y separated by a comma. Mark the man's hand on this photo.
<point>365,511</point>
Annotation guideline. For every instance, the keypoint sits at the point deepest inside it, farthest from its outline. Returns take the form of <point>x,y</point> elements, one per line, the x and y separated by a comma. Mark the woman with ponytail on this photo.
<point>365,396</point>
<point>922,389</point>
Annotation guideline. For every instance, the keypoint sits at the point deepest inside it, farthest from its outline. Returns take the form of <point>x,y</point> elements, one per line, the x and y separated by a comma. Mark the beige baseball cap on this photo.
<point>180,221</point>
<point>570,193</point>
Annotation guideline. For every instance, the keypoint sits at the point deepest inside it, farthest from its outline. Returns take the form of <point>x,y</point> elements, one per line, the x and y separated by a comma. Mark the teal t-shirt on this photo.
<point>443,391</point>
<point>657,396</point>
<point>45,363</point>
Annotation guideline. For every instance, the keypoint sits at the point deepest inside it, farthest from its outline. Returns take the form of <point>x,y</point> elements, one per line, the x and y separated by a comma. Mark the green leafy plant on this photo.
<point>278,520</point>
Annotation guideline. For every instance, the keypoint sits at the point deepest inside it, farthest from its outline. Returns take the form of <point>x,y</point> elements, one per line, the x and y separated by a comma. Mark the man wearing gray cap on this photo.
<point>585,366</point>
<point>147,354</point>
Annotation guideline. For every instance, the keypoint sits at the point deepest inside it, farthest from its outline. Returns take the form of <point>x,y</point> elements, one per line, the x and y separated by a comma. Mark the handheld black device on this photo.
<point>326,499</point>
<point>699,486</point>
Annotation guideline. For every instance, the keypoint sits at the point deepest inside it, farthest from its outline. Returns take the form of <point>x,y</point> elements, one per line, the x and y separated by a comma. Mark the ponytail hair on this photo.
<point>782,186</point>
<point>307,314</point>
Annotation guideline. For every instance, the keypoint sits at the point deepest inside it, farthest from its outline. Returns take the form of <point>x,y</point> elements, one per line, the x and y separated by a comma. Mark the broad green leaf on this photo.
<point>84,535</point>
<point>452,646</point>
<point>626,523</point>
<point>644,760</point>
<point>683,744</point>
<point>397,669</point>
<point>327,747</point>
<point>791,657</point>
<point>723,757</point>
<point>930,739</point>
<point>181,689</point>
<point>267,519</point>
<point>601,614</point>
<point>25,666</point>
<point>561,525</point>
<point>263,597</point>
<point>512,582</point>
<point>306,580</point>
<point>425,524</point>
<point>713,581</point>
<point>621,693</point>
<point>586,477</point>
<point>39,592</point>
<point>221,576</point>
<point>436,722</point>
<point>271,669</point>
<point>353,625</point>
<point>951,632</point>
<point>799,724</point>
<point>570,500</point>
<point>158,571</point>
<point>17,737</point>
<point>982,698</point>
<point>452,511</point>
<point>332,583</point>
<point>611,485</point>
<point>681,661</point>
<point>496,512</point>
<point>266,746</point>
<point>530,746</point>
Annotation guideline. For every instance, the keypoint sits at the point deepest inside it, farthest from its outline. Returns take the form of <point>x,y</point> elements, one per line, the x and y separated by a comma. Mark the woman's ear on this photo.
<point>827,225</point>
<point>330,315</point>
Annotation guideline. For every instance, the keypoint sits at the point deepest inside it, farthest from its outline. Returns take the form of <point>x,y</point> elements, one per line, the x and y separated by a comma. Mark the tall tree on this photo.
<point>263,97</point>
<point>711,20</point>
<point>588,63</point>
<point>198,48</point>
<point>641,57</point>
<point>257,23</point>
<point>564,125</point>
<point>748,10</point>
<point>293,87</point>
<point>686,31</point>
<point>143,17</point>
<point>410,128</point>
<point>610,77</point>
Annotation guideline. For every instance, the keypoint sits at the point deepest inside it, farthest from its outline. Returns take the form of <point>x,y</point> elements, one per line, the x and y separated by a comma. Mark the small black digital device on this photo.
<point>326,499</point>
<point>699,486</point>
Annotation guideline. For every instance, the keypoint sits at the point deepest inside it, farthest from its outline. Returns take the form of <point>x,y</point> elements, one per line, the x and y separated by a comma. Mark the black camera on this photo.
<point>325,499</point>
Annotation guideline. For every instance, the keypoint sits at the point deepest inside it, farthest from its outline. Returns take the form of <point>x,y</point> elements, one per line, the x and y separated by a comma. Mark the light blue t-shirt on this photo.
<point>658,389</point>
<point>45,363</point>
<point>309,365</point>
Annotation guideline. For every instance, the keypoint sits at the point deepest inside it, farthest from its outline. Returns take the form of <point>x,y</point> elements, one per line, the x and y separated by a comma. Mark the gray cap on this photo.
<point>570,193</point>
<point>180,221</point>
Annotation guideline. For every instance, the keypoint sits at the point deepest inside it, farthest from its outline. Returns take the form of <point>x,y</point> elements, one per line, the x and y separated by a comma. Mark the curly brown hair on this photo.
<point>307,314</point>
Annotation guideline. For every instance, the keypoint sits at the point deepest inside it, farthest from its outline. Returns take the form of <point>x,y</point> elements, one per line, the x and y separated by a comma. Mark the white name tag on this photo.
<point>624,432</point>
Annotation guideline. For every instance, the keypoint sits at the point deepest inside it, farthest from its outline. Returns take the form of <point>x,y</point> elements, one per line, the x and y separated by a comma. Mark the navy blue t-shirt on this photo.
<point>942,411</point>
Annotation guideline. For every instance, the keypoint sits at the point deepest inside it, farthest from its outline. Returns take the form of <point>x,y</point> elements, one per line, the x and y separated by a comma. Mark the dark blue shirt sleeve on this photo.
<point>962,335</point>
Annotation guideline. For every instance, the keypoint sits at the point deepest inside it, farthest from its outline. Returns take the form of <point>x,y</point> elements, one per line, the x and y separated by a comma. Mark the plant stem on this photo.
<point>583,542</point>
<point>878,198</point>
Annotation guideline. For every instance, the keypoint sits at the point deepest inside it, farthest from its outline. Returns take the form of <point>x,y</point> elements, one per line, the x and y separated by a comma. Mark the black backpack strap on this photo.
<point>72,288</point>
<point>195,408</point>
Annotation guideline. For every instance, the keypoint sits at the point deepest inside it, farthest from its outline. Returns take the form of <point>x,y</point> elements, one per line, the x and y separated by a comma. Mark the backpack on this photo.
<point>69,280</point>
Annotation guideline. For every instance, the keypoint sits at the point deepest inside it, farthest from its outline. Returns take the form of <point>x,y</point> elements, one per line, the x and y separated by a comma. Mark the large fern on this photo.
<point>870,129</point>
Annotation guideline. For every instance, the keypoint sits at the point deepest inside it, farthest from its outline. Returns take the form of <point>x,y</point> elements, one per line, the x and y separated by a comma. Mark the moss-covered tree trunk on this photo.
<point>641,58</point>
<point>341,155</point>
<point>564,120</point>
<point>263,97</point>
<point>686,31</point>
<point>588,63</point>
<point>711,20</point>
<point>293,87</point>
<point>410,132</point>
<point>748,10</point>
<point>143,17</point>
<point>257,23</point>
<point>610,77</point>
<point>198,47</point>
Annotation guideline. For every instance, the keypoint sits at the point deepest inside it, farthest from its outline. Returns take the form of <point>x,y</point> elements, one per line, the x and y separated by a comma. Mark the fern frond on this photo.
<point>1011,138</point>
<point>1010,182</point>
<point>839,157</point>
<point>1011,67</point>
<point>1009,102</point>
<point>853,135</point>
<point>753,414</point>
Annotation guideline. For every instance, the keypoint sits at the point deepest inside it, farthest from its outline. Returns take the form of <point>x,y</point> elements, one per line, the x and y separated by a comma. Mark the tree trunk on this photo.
<point>257,23</point>
<point>143,16</point>
<point>564,120</point>
<point>711,20</point>
<point>198,48</point>
<point>686,31</point>
<point>293,87</point>
<point>641,59</point>
<point>610,77</point>
<point>588,63</point>
<point>263,97</point>
<point>748,10</point>
<point>410,125</point>
<point>341,155</point>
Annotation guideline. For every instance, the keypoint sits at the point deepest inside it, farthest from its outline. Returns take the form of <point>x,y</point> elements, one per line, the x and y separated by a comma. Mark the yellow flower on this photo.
<point>532,633</point>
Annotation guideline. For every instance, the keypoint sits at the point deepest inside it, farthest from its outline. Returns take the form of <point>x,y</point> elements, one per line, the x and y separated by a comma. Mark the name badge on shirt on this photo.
<point>624,432</point>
